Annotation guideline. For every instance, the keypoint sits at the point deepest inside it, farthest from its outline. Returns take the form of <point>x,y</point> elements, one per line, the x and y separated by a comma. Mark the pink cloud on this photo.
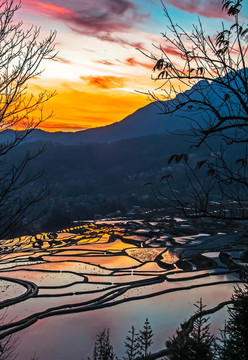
<point>121,41</point>
<point>100,19</point>
<point>207,8</point>
<point>48,8</point>
<point>131,61</point>
<point>169,50</point>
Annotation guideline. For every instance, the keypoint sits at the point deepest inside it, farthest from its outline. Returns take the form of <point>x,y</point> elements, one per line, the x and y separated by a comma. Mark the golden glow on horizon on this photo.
<point>79,106</point>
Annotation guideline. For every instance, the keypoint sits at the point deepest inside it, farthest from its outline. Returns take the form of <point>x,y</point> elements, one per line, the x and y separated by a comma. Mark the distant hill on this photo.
<point>146,121</point>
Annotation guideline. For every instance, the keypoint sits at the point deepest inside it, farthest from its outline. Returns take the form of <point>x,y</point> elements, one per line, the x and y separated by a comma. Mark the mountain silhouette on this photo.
<point>146,121</point>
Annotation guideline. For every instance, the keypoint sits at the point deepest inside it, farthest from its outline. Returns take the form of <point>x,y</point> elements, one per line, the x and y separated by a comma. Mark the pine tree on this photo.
<point>203,343</point>
<point>102,349</point>
<point>223,346</point>
<point>131,345</point>
<point>199,344</point>
<point>145,339</point>
<point>234,342</point>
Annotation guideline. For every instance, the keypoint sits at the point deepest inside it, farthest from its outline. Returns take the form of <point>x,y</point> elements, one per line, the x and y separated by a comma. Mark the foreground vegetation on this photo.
<point>193,341</point>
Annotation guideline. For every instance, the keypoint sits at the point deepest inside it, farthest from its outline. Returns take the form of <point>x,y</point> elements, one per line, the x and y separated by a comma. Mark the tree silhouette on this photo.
<point>233,7</point>
<point>34,357</point>
<point>194,340</point>
<point>235,334</point>
<point>9,344</point>
<point>213,71</point>
<point>203,343</point>
<point>8,349</point>
<point>145,339</point>
<point>103,350</point>
<point>199,344</point>
<point>21,54</point>
<point>131,345</point>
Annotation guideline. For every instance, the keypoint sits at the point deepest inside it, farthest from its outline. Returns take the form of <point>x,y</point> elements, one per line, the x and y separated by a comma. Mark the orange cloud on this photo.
<point>105,82</point>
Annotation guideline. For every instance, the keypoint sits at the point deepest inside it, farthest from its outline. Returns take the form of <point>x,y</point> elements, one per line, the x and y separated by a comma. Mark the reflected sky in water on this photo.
<point>92,261</point>
<point>73,336</point>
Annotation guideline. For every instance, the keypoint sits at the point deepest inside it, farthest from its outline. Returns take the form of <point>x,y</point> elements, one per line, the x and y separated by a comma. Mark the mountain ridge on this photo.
<point>145,121</point>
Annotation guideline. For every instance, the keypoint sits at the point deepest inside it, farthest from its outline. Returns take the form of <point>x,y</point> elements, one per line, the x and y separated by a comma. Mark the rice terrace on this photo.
<point>114,271</point>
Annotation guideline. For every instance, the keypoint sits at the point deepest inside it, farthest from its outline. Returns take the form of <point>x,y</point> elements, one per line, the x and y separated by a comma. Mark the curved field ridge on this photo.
<point>31,290</point>
<point>99,265</point>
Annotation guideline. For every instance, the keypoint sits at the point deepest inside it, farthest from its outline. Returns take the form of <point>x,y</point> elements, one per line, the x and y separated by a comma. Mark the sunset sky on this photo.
<point>99,70</point>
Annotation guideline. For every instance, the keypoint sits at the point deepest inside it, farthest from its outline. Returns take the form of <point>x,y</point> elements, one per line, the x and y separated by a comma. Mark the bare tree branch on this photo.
<point>208,84</point>
<point>21,54</point>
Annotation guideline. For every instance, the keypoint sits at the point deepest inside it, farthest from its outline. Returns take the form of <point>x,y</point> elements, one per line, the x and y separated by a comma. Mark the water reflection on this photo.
<point>73,336</point>
<point>113,278</point>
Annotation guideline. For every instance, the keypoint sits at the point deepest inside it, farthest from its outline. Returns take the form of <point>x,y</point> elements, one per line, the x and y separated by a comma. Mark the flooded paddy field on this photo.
<point>58,290</point>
